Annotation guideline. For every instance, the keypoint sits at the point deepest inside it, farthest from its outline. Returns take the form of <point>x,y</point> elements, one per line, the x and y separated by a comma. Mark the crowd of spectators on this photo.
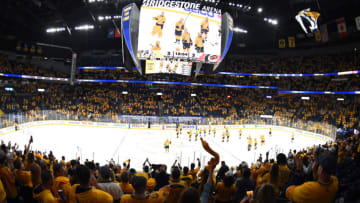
<point>294,64</point>
<point>318,174</point>
<point>323,173</point>
<point>13,67</point>
<point>242,105</point>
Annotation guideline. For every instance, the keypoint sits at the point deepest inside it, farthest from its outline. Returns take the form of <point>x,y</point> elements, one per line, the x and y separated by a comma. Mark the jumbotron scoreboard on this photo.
<point>174,37</point>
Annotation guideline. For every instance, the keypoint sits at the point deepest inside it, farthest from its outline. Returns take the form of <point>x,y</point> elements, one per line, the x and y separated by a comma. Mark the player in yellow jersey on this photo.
<point>160,20</point>
<point>167,145</point>
<point>161,66</point>
<point>204,131</point>
<point>205,27</point>
<point>240,133</point>
<point>180,128</point>
<point>270,132</point>
<point>214,131</point>
<point>177,132</point>
<point>255,143</point>
<point>223,136</point>
<point>179,27</point>
<point>262,140</point>
<point>249,143</point>
<point>209,130</point>
<point>196,134</point>
<point>186,40</point>
<point>190,134</point>
<point>227,135</point>
<point>168,68</point>
<point>157,46</point>
<point>292,137</point>
<point>175,67</point>
<point>199,43</point>
<point>157,52</point>
<point>200,131</point>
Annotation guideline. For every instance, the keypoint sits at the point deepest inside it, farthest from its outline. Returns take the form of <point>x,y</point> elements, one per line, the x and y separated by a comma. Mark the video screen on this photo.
<point>168,67</point>
<point>179,33</point>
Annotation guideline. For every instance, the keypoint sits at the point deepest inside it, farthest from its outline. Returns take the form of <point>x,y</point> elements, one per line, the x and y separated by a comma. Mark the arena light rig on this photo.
<point>84,27</point>
<point>55,29</point>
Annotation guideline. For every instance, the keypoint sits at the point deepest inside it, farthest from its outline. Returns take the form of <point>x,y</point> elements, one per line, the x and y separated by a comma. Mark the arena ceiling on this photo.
<point>27,21</point>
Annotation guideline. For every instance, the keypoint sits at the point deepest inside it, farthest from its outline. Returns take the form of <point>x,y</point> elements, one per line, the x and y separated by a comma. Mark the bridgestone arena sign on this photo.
<point>180,4</point>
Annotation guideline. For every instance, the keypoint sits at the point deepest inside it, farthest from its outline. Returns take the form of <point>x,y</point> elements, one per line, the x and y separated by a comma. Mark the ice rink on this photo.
<point>103,143</point>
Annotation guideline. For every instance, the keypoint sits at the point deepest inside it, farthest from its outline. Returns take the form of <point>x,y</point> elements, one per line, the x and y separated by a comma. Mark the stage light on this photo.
<point>84,27</point>
<point>249,8</point>
<point>193,95</point>
<point>268,97</point>
<point>275,22</point>
<point>305,98</point>
<point>57,29</point>
<point>100,18</point>
<point>124,92</point>
<point>266,19</point>
<point>228,96</point>
<point>236,29</point>
<point>9,89</point>
<point>259,10</point>
<point>159,94</point>
<point>266,116</point>
<point>41,90</point>
<point>340,99</point>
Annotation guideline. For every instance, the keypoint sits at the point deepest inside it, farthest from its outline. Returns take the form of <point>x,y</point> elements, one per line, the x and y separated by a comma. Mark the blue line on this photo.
<point>178,83</point>
<point>118,147</point>
<point>224,149</point>
<point>100,68</point>
<point>353,72</point>
<point>318,92</point>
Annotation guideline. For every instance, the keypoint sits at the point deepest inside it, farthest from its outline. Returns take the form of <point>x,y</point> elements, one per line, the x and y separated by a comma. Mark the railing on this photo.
<point>322,128</point>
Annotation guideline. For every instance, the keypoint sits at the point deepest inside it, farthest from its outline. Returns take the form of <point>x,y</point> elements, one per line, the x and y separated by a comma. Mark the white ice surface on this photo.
<point>139,144</point>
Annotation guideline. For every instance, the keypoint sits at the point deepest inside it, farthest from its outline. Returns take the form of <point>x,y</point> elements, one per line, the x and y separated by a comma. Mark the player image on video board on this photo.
<point>179,33</point>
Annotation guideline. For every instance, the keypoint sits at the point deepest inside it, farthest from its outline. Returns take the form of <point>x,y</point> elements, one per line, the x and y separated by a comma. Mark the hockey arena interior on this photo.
<point>186,101</point>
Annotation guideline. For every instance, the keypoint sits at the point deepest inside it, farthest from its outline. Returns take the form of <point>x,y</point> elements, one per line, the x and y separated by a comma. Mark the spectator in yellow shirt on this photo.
<point>126,187</point>
<point>284,170</point>
<point>175,188</point>
<point>61,182</point>
<point>323,189</point>
<point>140,196</point>
<point>7,177</point>
<point>43,193</point>
<point>224,190</point>
<point>83,192</point>
<point>2,192</point>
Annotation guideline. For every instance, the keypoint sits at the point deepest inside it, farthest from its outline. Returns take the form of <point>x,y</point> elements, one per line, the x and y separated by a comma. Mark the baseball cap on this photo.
<point>328,163</point>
